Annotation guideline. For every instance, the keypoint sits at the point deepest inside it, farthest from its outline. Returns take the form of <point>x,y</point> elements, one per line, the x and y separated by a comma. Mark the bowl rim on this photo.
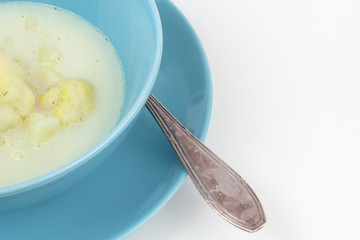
<point>123,124</point>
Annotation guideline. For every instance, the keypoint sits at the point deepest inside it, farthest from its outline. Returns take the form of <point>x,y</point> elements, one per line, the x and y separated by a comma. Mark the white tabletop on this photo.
<point>286,116</point>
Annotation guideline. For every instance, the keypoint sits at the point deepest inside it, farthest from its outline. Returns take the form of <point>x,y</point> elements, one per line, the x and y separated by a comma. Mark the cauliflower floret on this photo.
<point>16,98</point>
<point>80,92</point>
<point>41,127</point>
<point>10,93</point>
<point>68,112</point>
<point>77,100</point>
<point>11,71</point>
<point>51,97</point>
<point>9,118</point>
<point>25,104</point>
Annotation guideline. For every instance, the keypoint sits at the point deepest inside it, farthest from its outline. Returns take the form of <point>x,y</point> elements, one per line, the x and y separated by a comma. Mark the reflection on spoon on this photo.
<point>221,187</point>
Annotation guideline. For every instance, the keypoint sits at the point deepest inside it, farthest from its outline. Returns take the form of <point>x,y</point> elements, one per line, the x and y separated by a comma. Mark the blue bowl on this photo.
<point>134,28</point>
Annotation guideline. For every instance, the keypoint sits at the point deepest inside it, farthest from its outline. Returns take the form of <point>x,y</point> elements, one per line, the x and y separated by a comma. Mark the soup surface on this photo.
<point>62,89</point>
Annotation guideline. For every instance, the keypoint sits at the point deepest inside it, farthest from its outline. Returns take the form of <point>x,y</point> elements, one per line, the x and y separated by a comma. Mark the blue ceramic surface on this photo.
<point>144,172</point>
<point>134,28</point>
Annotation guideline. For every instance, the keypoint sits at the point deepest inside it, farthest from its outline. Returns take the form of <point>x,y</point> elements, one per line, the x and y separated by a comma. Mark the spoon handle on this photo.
<point>221,187</point>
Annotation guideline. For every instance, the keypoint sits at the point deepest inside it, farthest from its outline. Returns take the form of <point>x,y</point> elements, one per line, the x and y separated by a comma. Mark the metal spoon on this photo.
<point>221,187</point>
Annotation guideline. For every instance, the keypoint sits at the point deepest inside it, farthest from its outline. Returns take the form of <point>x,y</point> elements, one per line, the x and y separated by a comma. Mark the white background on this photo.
<point>286,116</point>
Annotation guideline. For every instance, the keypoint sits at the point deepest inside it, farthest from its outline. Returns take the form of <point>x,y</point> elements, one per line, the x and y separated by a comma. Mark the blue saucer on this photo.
<point>144,173</point>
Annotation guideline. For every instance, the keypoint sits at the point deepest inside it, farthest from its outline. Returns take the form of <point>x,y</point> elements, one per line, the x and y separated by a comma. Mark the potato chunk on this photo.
<point>41,127</point>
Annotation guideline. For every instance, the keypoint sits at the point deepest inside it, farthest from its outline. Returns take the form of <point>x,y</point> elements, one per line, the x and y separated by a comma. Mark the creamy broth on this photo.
<point>84,53</point>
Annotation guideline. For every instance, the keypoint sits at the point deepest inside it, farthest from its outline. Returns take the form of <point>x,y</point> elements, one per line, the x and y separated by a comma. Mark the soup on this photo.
<point>62,89</point>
